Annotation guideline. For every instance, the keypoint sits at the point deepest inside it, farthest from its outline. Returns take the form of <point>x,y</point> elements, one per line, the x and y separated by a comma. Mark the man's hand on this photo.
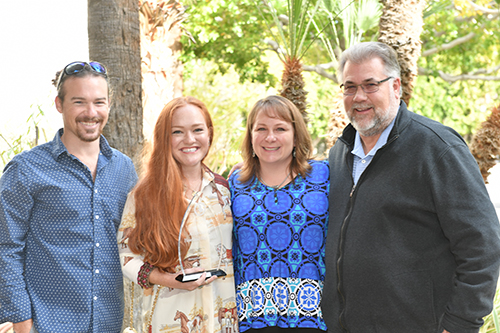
<point>24,326</point>
<point>234,168</point>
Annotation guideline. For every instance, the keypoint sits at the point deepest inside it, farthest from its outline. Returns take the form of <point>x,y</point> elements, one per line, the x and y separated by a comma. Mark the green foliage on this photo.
<point>26,140</point>
<point>462,105</point>
<point>349,22</point>
<point>448,24</point>
<point>292,36</point>
<point>434,7</point>
<point>230,34</point>
<point>321,97</point>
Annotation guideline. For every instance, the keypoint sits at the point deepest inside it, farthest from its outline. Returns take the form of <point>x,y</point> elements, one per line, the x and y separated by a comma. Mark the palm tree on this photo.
<point>400,26</point>
<point>292,30</point>
<point>113,29</point>
<point>485,145</point>
<point>348,20</point>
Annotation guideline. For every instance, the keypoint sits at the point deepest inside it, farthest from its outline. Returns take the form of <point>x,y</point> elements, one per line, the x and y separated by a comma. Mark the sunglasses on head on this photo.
<point>78,66</point>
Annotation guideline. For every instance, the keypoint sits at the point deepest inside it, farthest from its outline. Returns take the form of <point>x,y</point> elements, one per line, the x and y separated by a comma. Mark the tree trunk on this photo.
<point>293,85</point>
<point>114,40</point>
<point>400,26</point>
<point>485,145</point>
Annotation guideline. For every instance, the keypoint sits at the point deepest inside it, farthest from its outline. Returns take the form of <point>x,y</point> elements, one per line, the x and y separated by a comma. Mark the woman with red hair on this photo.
<point>177,222</point>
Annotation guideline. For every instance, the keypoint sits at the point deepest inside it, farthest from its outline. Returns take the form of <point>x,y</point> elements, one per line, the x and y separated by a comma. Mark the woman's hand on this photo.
<point>234,168</point>
<point>168,279</point>
<point>5,327</point>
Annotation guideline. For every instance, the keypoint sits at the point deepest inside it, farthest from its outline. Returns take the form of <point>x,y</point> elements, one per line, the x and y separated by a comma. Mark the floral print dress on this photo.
<point>210,309</point>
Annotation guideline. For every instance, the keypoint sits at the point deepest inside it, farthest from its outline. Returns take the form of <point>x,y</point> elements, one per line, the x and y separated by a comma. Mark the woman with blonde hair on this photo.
<point>280,212</point>
<point>177,224</point>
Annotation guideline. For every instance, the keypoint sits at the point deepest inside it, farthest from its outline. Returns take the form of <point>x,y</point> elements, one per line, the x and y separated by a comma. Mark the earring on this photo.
<point>253,153</point>
<point>294,153</point>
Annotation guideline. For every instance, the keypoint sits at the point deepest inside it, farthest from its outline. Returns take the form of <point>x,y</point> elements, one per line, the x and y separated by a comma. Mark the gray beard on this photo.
<point>379,122</point>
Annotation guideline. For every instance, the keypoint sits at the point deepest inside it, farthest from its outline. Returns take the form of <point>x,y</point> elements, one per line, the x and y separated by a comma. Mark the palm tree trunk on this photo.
<point>400,26</point>
<point>293,85</point>
<point>485,145</point>
<point>113,28</point>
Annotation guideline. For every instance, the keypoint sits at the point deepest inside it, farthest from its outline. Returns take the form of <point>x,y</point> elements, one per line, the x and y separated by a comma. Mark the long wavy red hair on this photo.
<point>159,199</point>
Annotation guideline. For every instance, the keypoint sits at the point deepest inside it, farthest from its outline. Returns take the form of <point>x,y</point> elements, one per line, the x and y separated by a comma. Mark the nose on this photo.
<point>270,137</point>
<point>91,110</point>
<point>360,94</point>
<point>189,137</point>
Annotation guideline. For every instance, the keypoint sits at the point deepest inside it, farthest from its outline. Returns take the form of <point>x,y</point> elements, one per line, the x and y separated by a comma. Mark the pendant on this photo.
<point>129,330</point>
<point>150,330</point>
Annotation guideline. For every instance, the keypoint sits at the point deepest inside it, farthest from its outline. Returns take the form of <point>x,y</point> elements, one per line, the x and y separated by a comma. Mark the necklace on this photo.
<point>149,317</point>
<point>277,187</point>
<point>198,186</point>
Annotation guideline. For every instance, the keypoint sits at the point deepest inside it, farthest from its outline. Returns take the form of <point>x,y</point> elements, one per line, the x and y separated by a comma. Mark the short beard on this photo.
<point>379,122</point>
<point>85,137</point>
<point>90,138</point>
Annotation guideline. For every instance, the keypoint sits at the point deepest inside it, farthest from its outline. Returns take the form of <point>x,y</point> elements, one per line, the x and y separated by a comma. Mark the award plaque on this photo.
<point>195,276</point>
<point>189,277</point>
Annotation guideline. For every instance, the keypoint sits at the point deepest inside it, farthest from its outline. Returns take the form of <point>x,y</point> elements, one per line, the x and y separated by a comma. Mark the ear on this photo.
<point>58,102</point>
<point>396,86</point>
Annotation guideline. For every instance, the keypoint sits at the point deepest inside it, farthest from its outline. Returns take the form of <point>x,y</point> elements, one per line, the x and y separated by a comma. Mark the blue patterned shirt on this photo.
<point>59,261</point>
<point>279,250</point>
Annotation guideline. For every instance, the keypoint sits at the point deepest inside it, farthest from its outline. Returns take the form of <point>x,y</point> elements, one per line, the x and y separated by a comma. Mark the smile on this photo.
<point>362,110</point>
<point>189,150</point>
<point>271,149</point>
<point>89,124</point>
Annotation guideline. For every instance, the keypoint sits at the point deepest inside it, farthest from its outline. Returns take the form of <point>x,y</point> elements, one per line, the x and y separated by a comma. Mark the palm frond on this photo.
<point>369,12</point>
<point>292,36</point>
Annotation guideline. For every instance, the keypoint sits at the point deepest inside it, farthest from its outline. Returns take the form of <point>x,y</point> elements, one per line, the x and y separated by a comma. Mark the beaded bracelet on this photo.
<point>143,276</point>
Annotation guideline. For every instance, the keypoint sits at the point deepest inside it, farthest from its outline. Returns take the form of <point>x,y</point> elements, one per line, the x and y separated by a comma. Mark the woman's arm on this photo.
<point>168,279</point>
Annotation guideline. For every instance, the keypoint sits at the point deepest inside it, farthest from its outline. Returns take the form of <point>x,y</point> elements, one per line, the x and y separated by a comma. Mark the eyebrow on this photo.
<point>364,81</point>
<point>83,98</point>
<point>281,123</point>
<point>194,125</point>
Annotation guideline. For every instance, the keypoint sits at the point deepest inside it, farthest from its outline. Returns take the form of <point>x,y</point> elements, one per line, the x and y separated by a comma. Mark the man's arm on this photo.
<point>469,221</point>
<point>23,327</point>
<point>15,211</point>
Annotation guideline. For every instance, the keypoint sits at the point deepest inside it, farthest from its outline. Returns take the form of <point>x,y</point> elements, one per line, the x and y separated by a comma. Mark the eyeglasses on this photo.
<point>78,66</point>
<point>350,89</point>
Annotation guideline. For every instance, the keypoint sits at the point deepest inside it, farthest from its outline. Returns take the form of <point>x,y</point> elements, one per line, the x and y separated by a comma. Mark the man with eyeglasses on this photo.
<point>60,206</point>
<point>413,240</point>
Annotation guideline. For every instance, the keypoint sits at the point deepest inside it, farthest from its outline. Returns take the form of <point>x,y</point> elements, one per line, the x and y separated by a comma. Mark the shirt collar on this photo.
<point>382,140</point>
<point>59,148</point>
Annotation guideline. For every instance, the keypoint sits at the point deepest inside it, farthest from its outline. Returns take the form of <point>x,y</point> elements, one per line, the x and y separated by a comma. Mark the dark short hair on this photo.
<point>86,71</point>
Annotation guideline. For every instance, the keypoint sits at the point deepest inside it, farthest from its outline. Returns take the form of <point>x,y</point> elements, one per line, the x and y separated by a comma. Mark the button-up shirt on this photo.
<point>59,262</point>
<point>362,160</point>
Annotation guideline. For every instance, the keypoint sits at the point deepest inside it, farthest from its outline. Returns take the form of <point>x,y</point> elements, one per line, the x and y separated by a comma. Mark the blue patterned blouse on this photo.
<point>279,250</point>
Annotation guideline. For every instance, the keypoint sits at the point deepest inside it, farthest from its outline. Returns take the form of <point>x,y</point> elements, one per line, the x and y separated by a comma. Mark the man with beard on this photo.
<point>413,240</point>
<point>60,206</point>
